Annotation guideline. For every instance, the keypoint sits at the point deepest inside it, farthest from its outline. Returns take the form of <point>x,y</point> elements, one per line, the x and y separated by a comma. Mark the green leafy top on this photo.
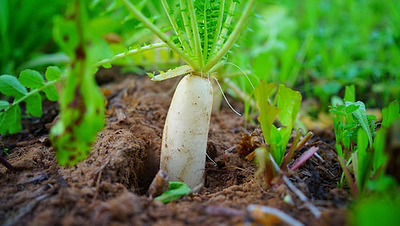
<point>203,31</point>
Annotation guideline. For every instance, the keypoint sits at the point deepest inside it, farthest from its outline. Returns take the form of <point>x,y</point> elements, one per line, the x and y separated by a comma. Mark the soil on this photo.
<point>108,188</point>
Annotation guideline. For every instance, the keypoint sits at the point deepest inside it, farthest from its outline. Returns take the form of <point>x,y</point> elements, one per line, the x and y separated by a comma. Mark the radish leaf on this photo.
<point>34,105</point>
<point>53,73</point>
<point>4,104</point>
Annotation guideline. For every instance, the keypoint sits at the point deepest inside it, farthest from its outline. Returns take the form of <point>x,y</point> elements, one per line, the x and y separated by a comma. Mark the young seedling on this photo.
<point>203,34</point>
<point>379,203</point>
<point>278,101</point>
<point>176,190</point>
<point>353,132</point>
<point>358,144</point>
<point>10,113</point>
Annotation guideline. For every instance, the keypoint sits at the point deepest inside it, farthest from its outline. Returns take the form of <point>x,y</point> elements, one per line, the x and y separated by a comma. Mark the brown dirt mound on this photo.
<point>108,187</point>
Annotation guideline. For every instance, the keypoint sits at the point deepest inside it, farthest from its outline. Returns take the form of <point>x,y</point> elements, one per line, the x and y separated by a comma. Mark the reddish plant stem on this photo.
<point>350,181</point>
<point>292,149</point>
<point>6,163</point>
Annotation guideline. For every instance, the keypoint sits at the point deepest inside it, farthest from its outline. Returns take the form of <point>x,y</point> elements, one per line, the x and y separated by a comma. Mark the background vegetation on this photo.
<point>320,46</point>
<point>317,47</point>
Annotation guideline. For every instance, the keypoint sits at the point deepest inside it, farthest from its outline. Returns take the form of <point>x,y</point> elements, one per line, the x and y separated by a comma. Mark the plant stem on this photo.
<point>299,194</point>
<point>305,140</point>
<point>292,149</point>
<point>219,26</point>
<point>175,27</point>
<point>129,53</point>
<point>186,23</point>
<point>160,34</point>
<point>350,181</point>
<point>205,37</point>
<point>196,35</point>
<point>6,163</point>
<point>47,84</point>
<point>232,37</point>
<point>224,32</point>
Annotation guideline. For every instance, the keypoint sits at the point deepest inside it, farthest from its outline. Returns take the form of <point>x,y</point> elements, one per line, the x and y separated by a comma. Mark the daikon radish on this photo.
<point>202,39</point>
<point>184,143</point>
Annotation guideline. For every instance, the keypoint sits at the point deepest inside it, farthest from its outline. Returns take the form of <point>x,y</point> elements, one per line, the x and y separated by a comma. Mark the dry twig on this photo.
<point>291,186</point>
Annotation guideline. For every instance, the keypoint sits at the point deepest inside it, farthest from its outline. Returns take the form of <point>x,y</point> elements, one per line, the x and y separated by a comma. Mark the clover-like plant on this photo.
<point>10,113</point>
<point>202,35</point>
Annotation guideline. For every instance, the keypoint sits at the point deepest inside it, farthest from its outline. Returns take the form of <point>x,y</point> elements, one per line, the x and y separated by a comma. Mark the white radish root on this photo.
<point>184,142</point>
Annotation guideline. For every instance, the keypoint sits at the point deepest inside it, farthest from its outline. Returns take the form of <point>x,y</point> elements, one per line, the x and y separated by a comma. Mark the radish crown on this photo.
<point>203,32</point>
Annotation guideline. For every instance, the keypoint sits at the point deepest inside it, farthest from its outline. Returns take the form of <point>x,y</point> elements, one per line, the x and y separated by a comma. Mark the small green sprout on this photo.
<point>277,101</point>
<point>10,113</point>
<point>5,151</point>
<point>176,190</point>
<point>358,144</point>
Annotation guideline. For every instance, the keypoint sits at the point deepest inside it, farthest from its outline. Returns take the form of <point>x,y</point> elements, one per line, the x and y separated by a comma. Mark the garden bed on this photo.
<point>108,188</point>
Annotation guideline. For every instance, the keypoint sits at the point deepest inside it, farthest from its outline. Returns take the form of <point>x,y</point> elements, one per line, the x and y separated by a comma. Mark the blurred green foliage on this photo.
<point>81,103</point>
<point>25,32</point>
<point>382,209</point>
<point>112,22</point>
<point>317,47</point>
<point>320,46</point>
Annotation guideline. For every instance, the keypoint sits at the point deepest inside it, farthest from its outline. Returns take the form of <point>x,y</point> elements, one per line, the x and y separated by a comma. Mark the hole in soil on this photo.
<point>151,167</point>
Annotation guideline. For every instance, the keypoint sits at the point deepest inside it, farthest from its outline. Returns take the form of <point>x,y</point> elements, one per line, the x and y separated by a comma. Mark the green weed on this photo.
<point>277,101</point>
<point>319,47</point>
<point>176,190</point>
<point>358,143</point>
<point>280,104</point>
<point>10,113</point>
<point>25,40</point>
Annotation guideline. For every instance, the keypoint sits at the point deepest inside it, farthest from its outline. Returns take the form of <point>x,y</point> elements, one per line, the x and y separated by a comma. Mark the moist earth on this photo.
<point>109,187</point>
